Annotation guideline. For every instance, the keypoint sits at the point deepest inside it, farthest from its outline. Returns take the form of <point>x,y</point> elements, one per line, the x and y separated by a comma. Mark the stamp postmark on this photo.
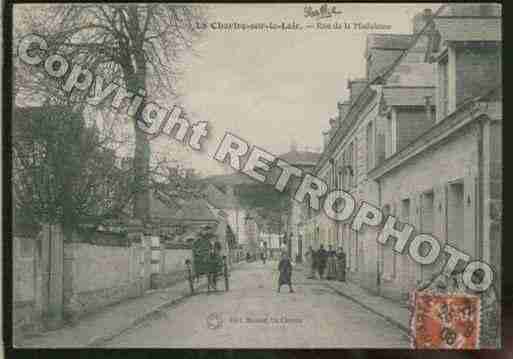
<point>445,321</point>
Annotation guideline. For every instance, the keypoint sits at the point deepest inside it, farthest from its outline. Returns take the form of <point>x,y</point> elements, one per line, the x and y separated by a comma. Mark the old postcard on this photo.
<point>256,175</point>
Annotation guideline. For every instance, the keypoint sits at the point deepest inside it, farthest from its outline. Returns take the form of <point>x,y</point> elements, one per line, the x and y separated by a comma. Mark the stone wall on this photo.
<point>174,259</point>
<point>171,266</point>
<point>492,196</point>
<point>100,275</point>
<point>164,280</point>
<point>26,278</point>
<point>454,161</point>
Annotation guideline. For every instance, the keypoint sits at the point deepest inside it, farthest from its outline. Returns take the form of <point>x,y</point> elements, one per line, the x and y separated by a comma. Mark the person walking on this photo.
<point>263,257</point>
<point>322,257</point>
<point>285,269</point>
<point>331,264</point>
<point>341,265</point>
<point>214,267</point>
<point>311,259</point>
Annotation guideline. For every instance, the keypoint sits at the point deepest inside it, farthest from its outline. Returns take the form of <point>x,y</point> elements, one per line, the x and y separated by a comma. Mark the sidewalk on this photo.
<point>96,328</point>
<point>395,313</point>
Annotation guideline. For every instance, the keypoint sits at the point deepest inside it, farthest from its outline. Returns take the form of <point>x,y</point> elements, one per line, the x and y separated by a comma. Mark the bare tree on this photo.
<point>67,173</point>
<point>63,171</point>
<point>139,44</point>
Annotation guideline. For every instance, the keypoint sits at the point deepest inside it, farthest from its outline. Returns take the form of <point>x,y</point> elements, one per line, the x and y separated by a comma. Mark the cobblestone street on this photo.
<point>253,314</point>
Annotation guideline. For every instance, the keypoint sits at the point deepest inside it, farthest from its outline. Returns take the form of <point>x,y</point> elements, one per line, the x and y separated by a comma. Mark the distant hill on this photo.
<point>233,179</point>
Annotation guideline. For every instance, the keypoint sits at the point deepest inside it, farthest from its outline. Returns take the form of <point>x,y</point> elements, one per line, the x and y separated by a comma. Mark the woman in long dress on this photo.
<point>285,268</point>
<point>332,264</point>
<point>311,260</point>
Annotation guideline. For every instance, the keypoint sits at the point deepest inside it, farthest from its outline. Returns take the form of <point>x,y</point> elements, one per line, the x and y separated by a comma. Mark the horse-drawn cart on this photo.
<point>207,260</point>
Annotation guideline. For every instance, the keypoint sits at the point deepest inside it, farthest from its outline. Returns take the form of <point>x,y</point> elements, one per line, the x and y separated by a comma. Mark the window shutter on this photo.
<point>471,246</point>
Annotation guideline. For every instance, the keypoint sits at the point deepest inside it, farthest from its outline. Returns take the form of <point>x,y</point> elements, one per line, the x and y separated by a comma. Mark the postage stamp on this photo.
<point>445,321</point>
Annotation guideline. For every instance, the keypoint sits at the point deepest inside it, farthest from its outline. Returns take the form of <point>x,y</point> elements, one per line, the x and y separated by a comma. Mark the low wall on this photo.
<point>99,275</point>
<point>164,280</point>
<point>172,267</point>
<point>27,311</point>
<point>174,259</point>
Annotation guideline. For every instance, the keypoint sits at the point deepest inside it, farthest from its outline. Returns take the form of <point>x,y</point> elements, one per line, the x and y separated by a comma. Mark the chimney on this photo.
<point>356,87</point>
<point>173,171</point>
<point>343,109</point>
<point>420,20</point>
<point>189,173</point>
<point>333,128</point>
<point>293,146</point>
<point>325,140</point>
<point>328,135</point>
<point>333,125</point>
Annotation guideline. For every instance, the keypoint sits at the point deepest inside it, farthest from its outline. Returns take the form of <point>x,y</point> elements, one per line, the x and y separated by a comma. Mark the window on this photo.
<point>388,255</point>
<point>394,254</point>
<point>390,139</point>
<point>347,245</point>
<point>369,66</point>
<point>354,236</point>
<point>488,10</point>
<point>405,210</point>
<point>443,85</point>
<point>26,247</point>
<point>344,166</point>
<point>409,266</point>
<point>381,148</point>
<point>355,161</point>
<point>340,174</point>
<point>427,214</point>
<point>370,146</point>
<point>455,212</point>
<point>350,164</point>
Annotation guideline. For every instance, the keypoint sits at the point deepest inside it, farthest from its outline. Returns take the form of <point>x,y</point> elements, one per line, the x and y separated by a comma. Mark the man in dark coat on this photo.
<point>263,257</point>
<point>214,266</point>
<point>341,257</point>
<point>285,269</point>
<point>322,256</point>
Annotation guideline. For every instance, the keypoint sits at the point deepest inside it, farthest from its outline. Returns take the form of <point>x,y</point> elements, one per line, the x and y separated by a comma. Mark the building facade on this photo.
<point>420,137</point>
<point>295,239</point>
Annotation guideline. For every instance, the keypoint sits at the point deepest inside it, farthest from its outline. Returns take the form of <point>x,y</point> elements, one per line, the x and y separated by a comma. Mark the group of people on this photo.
<point>329,264</point>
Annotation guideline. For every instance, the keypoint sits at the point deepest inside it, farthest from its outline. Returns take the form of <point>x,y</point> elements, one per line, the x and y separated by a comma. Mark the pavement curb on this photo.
<point>388,318</point>
<point>145,316</point>
<point>98,341</point>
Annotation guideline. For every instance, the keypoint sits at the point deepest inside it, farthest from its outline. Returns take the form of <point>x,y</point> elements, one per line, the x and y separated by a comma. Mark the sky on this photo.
<point>275,87</point>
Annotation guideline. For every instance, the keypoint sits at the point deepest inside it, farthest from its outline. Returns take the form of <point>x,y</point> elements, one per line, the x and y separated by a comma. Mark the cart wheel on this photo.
<point>190,276</point>
<point>226,283</point>
<point>191,285</point>
<point>225,274</point>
